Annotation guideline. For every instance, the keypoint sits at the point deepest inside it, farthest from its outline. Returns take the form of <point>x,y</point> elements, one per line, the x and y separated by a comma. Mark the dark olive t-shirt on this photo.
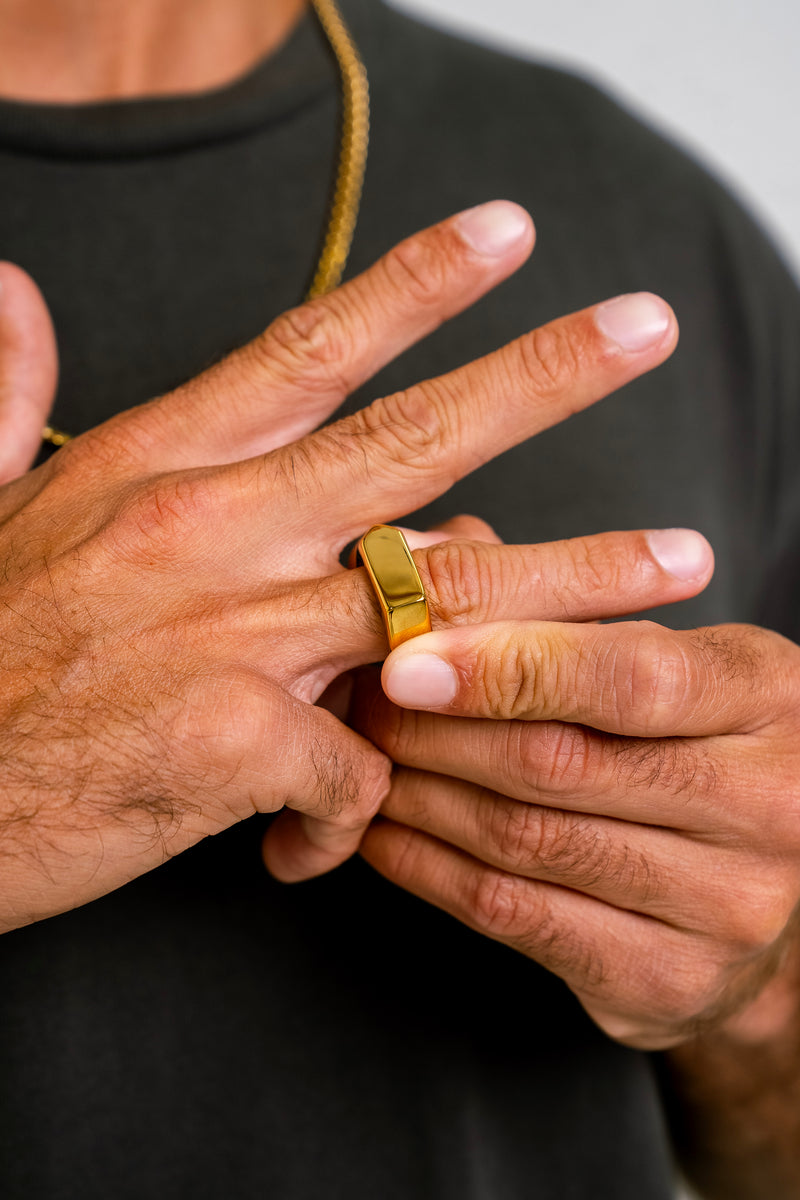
<point>205,1032</point>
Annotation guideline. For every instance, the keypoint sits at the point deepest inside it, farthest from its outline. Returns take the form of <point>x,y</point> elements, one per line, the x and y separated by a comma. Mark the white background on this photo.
<point>721,74</point>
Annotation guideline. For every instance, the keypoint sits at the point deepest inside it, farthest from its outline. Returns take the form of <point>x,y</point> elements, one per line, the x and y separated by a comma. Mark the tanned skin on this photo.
<point>731,1082</point>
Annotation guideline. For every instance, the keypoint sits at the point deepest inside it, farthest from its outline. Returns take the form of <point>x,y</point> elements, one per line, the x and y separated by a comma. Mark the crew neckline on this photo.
<point>293,76</point>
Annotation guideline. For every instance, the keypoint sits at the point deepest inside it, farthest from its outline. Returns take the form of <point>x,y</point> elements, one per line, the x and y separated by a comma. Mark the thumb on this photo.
<point>28,370</point>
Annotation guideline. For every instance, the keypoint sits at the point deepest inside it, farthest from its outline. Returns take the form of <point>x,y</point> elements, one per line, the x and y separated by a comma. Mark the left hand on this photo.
<point>626,809</point>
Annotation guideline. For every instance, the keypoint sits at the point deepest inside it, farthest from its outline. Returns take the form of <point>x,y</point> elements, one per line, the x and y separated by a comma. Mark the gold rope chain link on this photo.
<point>353,144</point>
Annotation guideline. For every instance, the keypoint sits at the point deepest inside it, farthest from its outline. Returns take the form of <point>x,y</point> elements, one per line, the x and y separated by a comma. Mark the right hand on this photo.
<point>172,600</point>
<point>28,370</point>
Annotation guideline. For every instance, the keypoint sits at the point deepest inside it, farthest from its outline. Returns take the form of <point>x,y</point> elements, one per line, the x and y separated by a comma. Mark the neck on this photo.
<point>73,51</point>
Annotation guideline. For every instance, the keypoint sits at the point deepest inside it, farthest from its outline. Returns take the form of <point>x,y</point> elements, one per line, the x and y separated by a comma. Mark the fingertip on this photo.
<point>637,322</point>
<point>496,228</point>
<point>683,553</point>
<point>418,679</point>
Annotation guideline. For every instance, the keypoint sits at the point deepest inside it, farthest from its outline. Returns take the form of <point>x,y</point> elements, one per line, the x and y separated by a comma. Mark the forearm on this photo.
<point>733,1098</point>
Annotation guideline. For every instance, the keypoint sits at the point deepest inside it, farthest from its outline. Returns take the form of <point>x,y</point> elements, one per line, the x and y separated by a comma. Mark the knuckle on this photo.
<point>664,996</point>
<point>564,847</point>
<point>164,515</point>
<point>499,905</point>
<point>408,429</point>
<point>417,269</point>
<point>683,984</point>
<point>733,657</point>
<point>576,849</point>
<point>516,911</point>
<point>580,852</point>
<point>696,991</point>
<point>514,683</point>
<point>582,573</point>
<point>633,875</point>
<point>503,679</point>
<point>652,678</point>
<point>549,359</point>
<point>459,582</point>
<point>594,565</point>
<point>554,758</point>
<point>515,832</point>
<point>311,345</point>
<point>756,919</point>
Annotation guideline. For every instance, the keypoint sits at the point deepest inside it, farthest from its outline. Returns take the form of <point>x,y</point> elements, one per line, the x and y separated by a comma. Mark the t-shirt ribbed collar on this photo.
<point>296,74</point>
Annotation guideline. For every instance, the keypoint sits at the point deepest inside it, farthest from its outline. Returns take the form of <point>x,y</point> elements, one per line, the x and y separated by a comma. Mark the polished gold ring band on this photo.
<point>392,572</point>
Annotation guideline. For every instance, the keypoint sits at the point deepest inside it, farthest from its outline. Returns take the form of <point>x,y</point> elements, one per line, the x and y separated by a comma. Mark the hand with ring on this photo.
<point>173,603</point>
<point>618,801</point>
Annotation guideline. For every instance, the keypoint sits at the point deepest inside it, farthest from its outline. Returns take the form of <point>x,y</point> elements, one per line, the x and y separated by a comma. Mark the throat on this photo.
<point>79,51</point>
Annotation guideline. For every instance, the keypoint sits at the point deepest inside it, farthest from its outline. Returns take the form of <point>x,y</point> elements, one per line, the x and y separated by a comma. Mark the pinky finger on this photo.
<point>604,954</point>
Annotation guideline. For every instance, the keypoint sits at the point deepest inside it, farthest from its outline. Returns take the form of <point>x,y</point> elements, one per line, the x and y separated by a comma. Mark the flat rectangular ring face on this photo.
<point>389,562</point>
<point>396,581</point>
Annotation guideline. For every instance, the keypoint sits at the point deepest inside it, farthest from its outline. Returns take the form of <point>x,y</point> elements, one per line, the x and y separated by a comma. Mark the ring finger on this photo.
<point>467,583</point>
<point>657,872</point>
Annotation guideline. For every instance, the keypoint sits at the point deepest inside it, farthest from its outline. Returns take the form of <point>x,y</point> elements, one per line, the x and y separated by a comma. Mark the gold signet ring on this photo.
<point>392,573</point>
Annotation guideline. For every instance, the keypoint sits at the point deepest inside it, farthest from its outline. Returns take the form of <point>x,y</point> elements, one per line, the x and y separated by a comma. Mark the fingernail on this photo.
<point>683,552</point>
<point>633,322</point>
<point>420,681</point>
<point>493,228</point>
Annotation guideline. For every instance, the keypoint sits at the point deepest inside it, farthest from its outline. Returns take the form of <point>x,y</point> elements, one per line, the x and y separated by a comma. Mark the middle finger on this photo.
<point>675,783</point>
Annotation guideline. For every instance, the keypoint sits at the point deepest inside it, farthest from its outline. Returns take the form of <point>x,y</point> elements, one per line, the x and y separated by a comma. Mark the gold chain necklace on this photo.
<point>353,142</point>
